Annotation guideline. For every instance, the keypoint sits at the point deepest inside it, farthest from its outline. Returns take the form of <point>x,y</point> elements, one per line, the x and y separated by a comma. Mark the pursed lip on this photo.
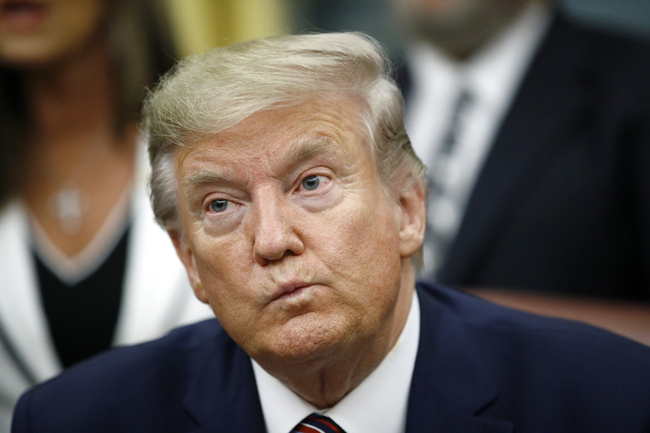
<point>10,3</point>
<point>23,15</point>
<point>290,287</point>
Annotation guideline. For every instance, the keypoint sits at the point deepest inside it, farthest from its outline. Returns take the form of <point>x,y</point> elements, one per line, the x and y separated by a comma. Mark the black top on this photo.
<point>82,316</point>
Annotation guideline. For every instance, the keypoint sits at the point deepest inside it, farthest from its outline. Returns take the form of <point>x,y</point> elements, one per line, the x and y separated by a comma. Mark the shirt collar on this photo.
<point>378,404</point>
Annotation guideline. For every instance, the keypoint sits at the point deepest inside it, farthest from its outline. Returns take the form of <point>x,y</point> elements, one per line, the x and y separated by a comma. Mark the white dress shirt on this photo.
<point>492,76</point>
<point>377,405</point>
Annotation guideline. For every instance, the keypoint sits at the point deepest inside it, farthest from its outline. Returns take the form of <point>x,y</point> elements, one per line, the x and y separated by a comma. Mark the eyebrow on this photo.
<point>206,176</point>
<point>309,148</point>
<point>296,155</point>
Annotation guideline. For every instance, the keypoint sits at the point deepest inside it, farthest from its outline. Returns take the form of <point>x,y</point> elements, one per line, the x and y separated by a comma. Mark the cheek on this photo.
<point>364,243</point>
<point>74,25</point>
<point>367,264</point>
<point>78,25</point>
<point>222,267</point>
<point>229,287</point>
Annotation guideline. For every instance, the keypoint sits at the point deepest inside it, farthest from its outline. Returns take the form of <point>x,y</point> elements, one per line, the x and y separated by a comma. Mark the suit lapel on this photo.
<point>223,396</point>
<point>550,96</point>
<point>450,385</point>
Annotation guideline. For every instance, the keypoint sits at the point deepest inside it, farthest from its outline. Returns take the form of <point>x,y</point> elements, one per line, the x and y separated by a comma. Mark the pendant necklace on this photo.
<point>68,205</point>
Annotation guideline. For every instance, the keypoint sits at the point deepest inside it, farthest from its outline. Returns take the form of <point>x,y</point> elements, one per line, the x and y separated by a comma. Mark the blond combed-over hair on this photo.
<point>206,94</point>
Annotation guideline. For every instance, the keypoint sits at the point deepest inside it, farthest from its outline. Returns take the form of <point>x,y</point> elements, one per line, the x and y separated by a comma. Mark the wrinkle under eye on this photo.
<point>310,183</point>
<point>219,205</point>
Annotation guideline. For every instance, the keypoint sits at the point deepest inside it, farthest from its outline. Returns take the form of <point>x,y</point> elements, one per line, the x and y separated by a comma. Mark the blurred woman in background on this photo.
<point>83,265</point>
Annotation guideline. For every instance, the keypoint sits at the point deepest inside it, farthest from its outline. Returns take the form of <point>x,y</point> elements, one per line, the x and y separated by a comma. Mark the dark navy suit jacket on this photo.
<point>479,368</point>
<point>562,203</point>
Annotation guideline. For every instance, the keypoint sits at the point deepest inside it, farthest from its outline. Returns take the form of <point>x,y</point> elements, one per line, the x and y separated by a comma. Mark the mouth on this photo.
<point>22,15</point>
<point>290,290</point>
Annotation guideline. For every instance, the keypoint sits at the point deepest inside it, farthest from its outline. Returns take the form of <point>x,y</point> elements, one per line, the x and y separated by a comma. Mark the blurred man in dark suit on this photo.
<point>536,132</point>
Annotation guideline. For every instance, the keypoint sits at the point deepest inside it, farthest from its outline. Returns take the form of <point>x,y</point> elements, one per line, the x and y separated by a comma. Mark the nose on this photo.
<point>273,228</point>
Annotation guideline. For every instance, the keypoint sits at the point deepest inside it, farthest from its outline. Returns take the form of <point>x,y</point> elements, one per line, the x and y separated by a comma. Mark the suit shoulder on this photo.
<point>484,317</point>
<point>544,368</point>
<point>508,341</point>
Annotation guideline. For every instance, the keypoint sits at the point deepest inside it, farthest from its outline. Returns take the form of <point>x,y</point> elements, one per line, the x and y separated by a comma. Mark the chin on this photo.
<point>303,339</point>
<point>26,57</point>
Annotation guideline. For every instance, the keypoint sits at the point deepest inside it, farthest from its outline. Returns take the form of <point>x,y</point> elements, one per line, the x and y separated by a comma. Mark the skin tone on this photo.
<point>459,27</point>
<point>301,251</point>
<point>48,31</point>
<point>60,47</point>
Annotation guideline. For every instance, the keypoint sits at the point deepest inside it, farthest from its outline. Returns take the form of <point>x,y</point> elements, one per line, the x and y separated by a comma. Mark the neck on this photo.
<point>74,110</point>
<point>325,382</point>
<point>73,98</point>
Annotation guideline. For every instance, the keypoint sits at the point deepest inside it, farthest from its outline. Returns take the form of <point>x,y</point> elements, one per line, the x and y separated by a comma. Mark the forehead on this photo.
<point>282,137</point>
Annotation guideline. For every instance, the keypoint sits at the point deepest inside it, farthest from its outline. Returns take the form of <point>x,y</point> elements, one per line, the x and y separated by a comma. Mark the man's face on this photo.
<point>291,237</point>
<point>442,7</point>
<point>459,26</point>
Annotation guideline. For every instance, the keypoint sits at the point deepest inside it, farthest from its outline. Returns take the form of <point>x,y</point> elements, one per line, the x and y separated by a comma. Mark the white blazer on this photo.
<point>157,297</point>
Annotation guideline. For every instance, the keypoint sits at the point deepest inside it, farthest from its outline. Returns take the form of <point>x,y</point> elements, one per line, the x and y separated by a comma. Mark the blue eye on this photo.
<point>219,205</point>
<point>310,183</point>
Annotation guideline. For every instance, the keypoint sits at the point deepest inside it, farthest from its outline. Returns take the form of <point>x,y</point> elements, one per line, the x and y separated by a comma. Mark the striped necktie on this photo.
<point>316,423</point>
<point>442,209</point>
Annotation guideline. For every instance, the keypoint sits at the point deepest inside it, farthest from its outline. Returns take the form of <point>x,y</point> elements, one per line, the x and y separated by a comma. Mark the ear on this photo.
<point>412,204</point>
<point>186,255</point>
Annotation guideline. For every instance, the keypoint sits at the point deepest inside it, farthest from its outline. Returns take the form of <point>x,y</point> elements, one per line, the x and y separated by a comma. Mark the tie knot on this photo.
<point>316,423</point>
